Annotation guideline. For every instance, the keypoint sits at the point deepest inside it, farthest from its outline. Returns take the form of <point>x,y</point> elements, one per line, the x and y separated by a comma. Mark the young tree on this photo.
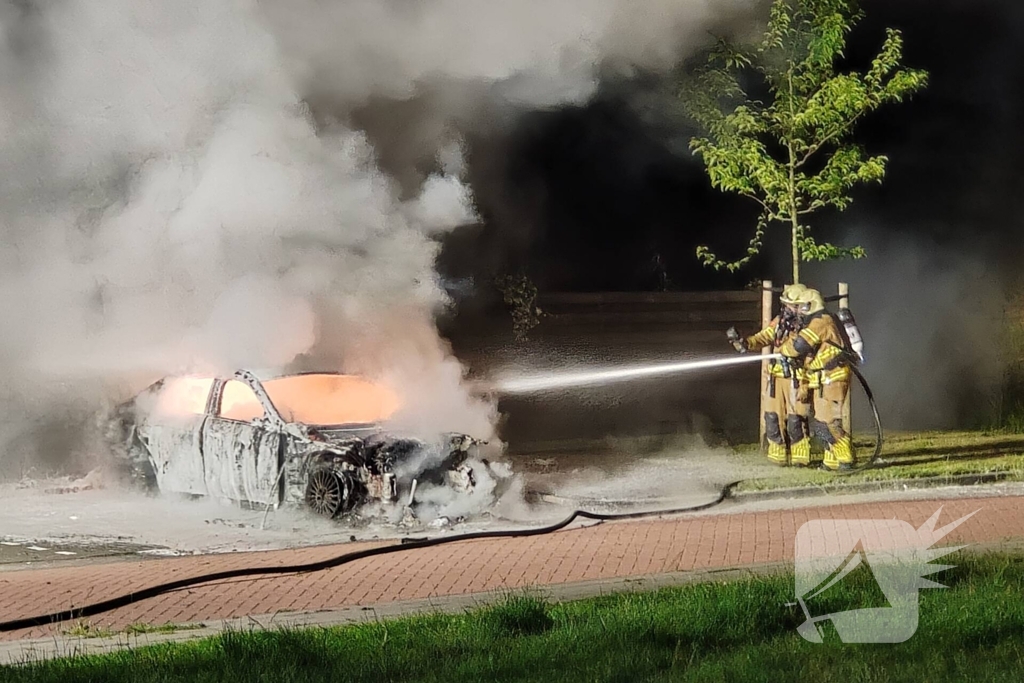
<point>792,153</point>
<point>520,295</point>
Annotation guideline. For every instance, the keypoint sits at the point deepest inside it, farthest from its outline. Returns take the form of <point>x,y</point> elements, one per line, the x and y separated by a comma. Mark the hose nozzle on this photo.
<point>736,340</point>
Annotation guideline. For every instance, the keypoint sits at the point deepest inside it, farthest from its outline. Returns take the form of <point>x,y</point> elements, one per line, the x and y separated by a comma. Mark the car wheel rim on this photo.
<point>326,493</point>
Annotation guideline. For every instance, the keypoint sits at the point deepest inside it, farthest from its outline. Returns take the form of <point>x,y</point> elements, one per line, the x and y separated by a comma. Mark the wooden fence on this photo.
<point>597,329</point>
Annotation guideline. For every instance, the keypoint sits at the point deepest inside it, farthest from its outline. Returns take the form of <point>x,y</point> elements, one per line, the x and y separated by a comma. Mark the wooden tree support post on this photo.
<point>766,319</point>
<point>844,302</point>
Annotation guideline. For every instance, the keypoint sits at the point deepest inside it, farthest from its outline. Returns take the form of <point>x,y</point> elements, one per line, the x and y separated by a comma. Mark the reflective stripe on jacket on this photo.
<point>819,345</point>
<point>766,338</point>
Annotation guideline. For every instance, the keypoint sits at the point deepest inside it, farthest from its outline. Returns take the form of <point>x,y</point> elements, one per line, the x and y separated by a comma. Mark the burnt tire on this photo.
<point>142,475</point>
<point>330,493</point>
<point>135,463</point>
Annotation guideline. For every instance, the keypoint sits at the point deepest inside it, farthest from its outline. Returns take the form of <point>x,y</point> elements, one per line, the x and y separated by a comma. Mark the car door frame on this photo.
<point>270,425</point>
<point>175,445</point>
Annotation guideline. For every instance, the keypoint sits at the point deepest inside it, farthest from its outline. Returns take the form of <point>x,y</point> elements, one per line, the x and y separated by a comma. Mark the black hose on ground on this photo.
<point>154,591</point>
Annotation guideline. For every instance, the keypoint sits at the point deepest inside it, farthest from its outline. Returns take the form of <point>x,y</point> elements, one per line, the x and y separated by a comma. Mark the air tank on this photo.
<point>852,332</point>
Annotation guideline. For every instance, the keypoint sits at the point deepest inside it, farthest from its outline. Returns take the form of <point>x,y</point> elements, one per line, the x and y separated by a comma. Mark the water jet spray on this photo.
<point>531,384</point>
<point>563,380</point>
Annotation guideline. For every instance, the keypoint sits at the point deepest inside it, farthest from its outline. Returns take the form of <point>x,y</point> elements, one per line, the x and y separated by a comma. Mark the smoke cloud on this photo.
<point>931,320</point>
<point>187,186</point>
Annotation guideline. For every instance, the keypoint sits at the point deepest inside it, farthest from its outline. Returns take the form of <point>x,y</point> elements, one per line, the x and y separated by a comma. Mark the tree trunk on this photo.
<point>794,216</point>
<point>793,212</point>
<point>796,250</point>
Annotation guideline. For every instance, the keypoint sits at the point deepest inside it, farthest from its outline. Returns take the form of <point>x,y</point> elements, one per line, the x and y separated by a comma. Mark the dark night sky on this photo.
<point>586,196</point>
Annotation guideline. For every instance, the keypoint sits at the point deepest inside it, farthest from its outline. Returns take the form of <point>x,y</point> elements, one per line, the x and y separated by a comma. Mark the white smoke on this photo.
<point>535,52</point>
<point>930,318</point>
<point>171,202</point>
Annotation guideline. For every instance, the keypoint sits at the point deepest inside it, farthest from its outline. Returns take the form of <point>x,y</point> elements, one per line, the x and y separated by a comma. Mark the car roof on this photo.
<point>265,376</point>
<point>262,375</point>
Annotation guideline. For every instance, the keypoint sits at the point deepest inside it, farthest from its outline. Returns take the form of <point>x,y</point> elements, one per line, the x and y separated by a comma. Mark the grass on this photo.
<point>719,631</point>
<point>911,456</point>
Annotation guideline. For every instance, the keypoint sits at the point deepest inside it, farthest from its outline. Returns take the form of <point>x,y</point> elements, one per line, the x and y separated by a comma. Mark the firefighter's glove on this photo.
<point>736,340</point>
<point>803,393</point>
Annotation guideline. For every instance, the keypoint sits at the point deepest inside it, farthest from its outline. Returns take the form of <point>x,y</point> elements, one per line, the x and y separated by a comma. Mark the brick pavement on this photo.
<point>602,551</point>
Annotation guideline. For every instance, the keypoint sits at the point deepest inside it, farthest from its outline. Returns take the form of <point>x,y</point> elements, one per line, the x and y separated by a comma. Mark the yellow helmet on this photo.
<point>791,294</point>
<point>810,302</point>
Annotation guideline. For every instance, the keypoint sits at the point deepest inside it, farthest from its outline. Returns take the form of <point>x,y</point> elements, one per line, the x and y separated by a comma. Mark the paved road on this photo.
<point>21,554</point>
<point>598,551</point>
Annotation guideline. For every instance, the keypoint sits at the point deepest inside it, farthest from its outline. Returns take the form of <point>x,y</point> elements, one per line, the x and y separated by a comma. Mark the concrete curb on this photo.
<point>811,490</point>
<point>806,491</point>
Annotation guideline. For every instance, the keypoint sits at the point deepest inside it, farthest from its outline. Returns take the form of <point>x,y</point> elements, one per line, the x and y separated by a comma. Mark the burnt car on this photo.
<point>313,439</point>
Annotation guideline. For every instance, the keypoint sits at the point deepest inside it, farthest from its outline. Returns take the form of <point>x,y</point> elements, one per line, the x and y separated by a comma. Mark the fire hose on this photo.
<point>331,563</point>
<point>877,419</point>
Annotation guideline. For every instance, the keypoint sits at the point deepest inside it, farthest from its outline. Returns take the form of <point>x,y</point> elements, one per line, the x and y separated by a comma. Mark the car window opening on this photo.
<point>329,400</point>
<point>182,396</point>
<point>239,402</point>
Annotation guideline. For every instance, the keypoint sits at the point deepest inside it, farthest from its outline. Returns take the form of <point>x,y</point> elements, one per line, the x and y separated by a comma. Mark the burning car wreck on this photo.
<point>317,440</point>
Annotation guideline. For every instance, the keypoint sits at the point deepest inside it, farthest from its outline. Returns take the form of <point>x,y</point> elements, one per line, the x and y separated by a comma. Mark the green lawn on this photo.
<point>739,631</point>
<point>911,456</point>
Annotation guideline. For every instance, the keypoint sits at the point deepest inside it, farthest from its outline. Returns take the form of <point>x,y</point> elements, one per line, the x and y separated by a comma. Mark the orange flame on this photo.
<point>183,396</point>
<point>319,399</point>
<point>331,399</point>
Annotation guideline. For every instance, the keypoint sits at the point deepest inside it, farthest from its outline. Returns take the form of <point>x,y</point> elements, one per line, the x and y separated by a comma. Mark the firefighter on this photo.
<point>785,418</point>
<point>818,349</point>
